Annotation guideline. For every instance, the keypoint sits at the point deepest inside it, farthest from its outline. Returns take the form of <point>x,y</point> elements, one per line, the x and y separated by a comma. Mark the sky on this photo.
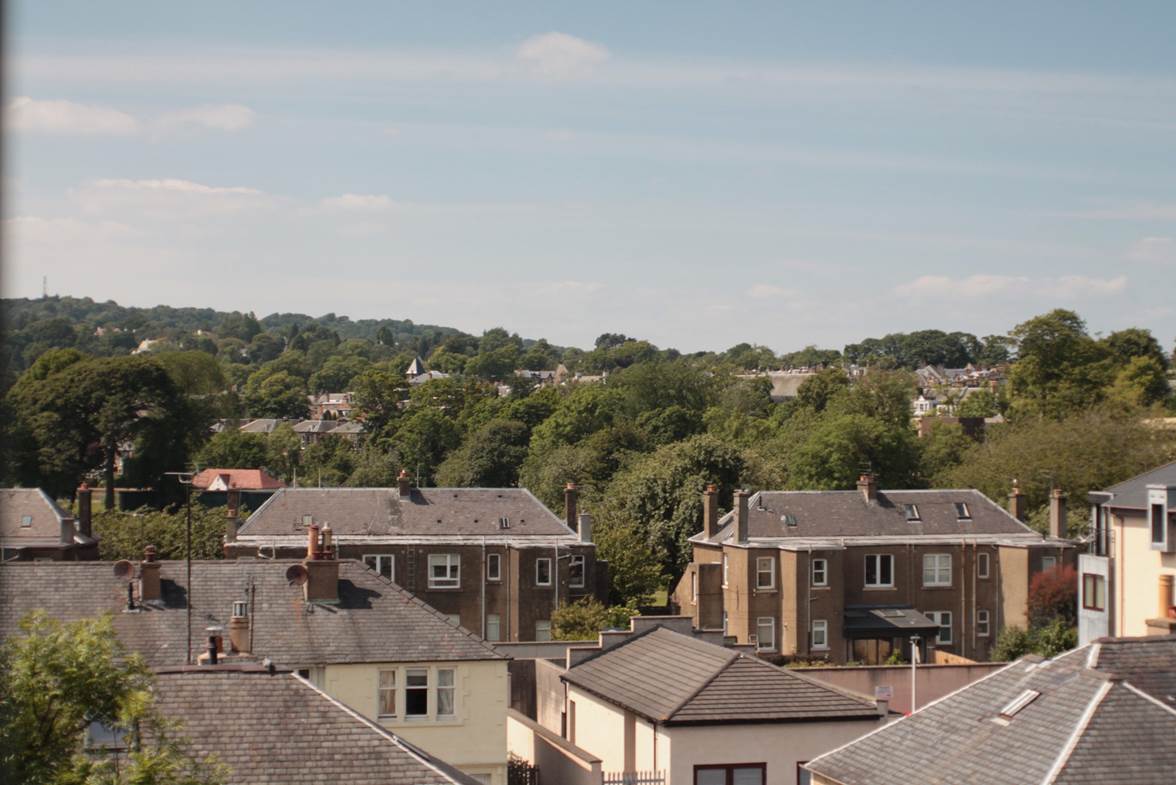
<point>695,174</point>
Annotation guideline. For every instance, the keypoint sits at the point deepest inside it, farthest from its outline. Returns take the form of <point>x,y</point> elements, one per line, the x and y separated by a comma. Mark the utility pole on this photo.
<point>914,662</point>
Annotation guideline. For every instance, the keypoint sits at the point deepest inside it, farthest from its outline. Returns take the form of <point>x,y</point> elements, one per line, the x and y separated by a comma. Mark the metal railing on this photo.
<point>634,778</point>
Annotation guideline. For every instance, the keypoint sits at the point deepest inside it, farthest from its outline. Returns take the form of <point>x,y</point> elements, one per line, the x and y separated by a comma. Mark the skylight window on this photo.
<point>911,511</point>
<point>962,511</point>
<point>788,518</point>
<point>1016,704</point>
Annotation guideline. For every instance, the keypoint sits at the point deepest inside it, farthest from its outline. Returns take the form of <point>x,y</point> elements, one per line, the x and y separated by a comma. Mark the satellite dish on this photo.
<point>296,574</point>
<point>123,569</point>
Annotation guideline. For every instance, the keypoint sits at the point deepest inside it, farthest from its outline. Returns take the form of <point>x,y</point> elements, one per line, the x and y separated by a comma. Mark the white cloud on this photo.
<point>218,117</point>
<point>168,197</point>
<point>358,202</point>
<point>66,117</point>
<point>1154,250</point>
<point>1140,211</point>
<point>768,291</point>
<point>983,286</point>
<point>560,56</point>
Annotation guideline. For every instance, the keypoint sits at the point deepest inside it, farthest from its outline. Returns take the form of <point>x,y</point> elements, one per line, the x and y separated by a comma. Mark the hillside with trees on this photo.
<point>642,434</point>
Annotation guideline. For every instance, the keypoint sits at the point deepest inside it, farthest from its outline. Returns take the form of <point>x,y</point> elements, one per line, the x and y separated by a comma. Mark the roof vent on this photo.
<point>1016,704</point>
<point>504,522</point>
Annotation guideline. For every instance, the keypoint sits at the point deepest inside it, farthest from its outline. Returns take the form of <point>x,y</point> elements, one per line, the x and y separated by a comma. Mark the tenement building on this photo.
<point>856,575</point>
<point>494,560</point>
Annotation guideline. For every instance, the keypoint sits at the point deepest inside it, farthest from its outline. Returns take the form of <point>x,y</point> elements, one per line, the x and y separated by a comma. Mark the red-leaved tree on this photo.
<point>1053,594</point>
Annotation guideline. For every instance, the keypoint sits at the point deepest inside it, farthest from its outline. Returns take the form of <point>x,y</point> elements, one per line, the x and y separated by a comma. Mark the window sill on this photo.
<point>931,587</point>
<point>765,590</point>
<point>444,588</point>
<point>880,588</point>
<point>765,651</point>
<point>821,587</point>
<point>819,648</point>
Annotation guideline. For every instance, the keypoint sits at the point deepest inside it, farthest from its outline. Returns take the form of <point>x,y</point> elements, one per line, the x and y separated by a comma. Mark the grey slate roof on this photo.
<point>824,514</point>
<point>1132,494</point>
<point>671,678</point>
<point>1085,726</point>
<point>375,620</point>
<point>425,512</point>
<point>281,729</point>
<point>46,517</point>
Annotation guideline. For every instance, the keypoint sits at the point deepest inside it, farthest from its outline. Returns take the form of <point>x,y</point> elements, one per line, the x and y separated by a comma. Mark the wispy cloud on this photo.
<point>560,56</point>
<point>1154,250</point>
<point>358,202</point>
<point>169,197</point>
<point>1138,211</point>
<point>769,291</point>
<point>942,287</point>
<point>216,117</point>
<point>29,115</point>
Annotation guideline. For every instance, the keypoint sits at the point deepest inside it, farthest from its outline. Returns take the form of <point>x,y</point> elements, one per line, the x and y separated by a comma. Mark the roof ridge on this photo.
<point>1076,735</point>
<point>629,639</point>
<point>1137,476</point>
<point>706,683</point>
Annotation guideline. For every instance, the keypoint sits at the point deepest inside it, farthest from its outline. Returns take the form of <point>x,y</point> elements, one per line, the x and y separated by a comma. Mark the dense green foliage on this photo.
<point>125,535</point>
<point>583,619</point>
<point>57,678</point>
<point>642,438</point>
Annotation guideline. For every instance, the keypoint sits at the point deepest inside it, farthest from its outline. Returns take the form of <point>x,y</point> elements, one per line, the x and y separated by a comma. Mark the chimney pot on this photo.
<point>1057,513</point>
<point>571,499</point>
<point>710,511</point>
<point>741,515</point>
<point>868,485</point>
<point>239,627</point>
<point>328,549</point>
<point>404,484</point>
<point>312,541</point>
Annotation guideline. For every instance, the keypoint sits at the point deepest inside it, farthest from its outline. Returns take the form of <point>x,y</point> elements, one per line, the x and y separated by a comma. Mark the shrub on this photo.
<point>1053,594</point>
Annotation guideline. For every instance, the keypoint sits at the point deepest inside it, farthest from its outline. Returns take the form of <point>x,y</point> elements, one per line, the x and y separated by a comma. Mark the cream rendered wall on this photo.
<point>1014,577</point>
<point>474,741</point>
<point>1137,573</point>
<point>781,746</point>
<point>600,729</point>
<point>645,742</point>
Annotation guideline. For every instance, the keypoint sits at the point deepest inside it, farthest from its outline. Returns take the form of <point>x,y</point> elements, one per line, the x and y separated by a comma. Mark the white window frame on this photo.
<point>450,688</point>
<point>428,684</point>
<point>819,627</point>
<point>382,689</point>
<point>878,571</point>
<point>494,575</point>
<point>726,567</point>
<point>770,572</point>
<point>26,521</point>
<point>493,627</point>
<point>943,619</point>
<point>452,564</point>
<point>379,559</point>
<point>760,623</point>
<point>577,559</point>
<point>983,565</point>
<point>540,561</point>
<point>542,629</point>
<point>934,561</point>
<point>824,572</point>
<point>983,623</point>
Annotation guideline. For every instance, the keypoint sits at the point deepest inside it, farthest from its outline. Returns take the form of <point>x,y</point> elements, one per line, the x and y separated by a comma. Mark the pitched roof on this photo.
<point>315,426</point>
<point>671,678</point>
<point>262,425</point>
<point>1081,726</point>
<point>837,514</point>
<point>425,512</point>
<point>44,517</point>
<point>374,621</point>
<point>1132,494</point>
<point>236,479</point>
<point>294,731</point>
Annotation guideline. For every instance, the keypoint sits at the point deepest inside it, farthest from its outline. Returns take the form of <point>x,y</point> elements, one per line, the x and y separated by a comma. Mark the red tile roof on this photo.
<point>237,479</point>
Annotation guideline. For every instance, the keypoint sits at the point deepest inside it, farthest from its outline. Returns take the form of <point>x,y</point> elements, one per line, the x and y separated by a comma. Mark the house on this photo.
<point>263,425</point>
<point>311,431</point>
<point>347,630</point>
<point>695,713</point>
<point>857,575</point>
<point>34,528</point>
<point>268,725</point>
<point>331,406</point>
<point>1126,575</point>
<point>1101,713</point>
<point>225,480</point>
<point>495,560</point>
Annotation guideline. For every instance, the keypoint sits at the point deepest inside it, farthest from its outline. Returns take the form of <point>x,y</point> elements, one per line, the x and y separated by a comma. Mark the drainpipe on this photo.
<point>963,598</point>
<point>482,583</point>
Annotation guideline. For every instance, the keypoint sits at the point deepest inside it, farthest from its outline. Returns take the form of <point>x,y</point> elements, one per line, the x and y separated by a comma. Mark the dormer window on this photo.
<point>1016,704</point>
<point>962,511</point>
<point>911,511</point>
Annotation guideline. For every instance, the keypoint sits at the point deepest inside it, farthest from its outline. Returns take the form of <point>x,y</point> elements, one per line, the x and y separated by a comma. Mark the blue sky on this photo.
<point>697,174</point>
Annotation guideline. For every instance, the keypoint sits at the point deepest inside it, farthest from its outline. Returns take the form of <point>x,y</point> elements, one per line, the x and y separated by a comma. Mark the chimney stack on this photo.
<point>232,516</point>
<point>585,527</point>
<point>1166,600</point>
<point>312,541</point>
<point>404,484</point>
<point>85,510</point>
<point>1057,513</point>
<point>150,586</point>
<point>239,627</point>
<point>322,569</point>
<point>741,516</point>
<point>570,505</point>
<point>710,511</point>
<point>1017,503</point>
<point>868,485</point>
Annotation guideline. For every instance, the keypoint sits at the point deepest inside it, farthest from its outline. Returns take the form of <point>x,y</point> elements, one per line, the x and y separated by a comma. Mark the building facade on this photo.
<point>34,528</point>
<point>494,560</point>
<point>1125,577</point>
<point>856,575</point>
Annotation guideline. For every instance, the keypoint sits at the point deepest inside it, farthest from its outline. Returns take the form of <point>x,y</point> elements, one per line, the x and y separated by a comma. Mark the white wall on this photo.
<point>600,729</point>
<point>780,745</point>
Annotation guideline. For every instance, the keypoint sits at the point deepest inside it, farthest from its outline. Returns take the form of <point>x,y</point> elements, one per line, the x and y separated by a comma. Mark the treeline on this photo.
<point>641,443</point>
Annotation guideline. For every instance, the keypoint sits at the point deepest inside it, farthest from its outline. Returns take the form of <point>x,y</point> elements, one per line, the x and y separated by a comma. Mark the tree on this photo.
<point>126,535</point>
<point>234,449</point>
<point>378,395</point>
<point>633,568</point>
<point>280,395</point>
<point>1053,594</point>
<point>981,403</point>
<point>55,680</point>
<point>942,448</point>
<point>816,391</point>
<point>1134,342</point>
<point>840,447</point>
<point>1012,643</point>
<point>423,439</point>
<point>1059,369</point>
<point>583,619</point>
<point>1141,382</point>
<point>489,458</point>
